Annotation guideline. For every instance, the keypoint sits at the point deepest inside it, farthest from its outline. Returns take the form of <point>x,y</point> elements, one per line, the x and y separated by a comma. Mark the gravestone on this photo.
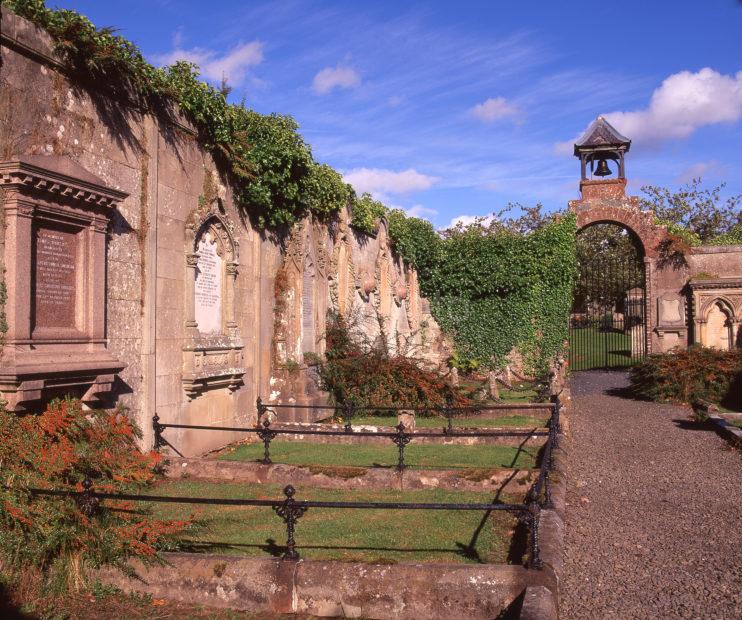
<point>208,287</point>
<point>55,277</point>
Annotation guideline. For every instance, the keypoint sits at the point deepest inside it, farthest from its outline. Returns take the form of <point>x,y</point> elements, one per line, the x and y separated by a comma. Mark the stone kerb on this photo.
<point>329,589</point>
<point>537,438</point>
<point>507,480</point>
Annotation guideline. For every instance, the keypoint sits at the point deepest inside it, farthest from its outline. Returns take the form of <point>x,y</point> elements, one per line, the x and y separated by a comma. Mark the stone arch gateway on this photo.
<point>612,306</point>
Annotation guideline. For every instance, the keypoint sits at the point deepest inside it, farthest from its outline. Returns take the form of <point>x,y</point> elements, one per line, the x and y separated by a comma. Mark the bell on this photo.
<point>603,169</point>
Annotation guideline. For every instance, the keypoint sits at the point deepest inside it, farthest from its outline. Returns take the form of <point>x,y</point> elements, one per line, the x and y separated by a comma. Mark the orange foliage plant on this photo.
<point>57,450</point>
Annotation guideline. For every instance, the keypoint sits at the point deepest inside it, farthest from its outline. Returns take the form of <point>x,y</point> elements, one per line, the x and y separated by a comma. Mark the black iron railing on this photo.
<point>348,411</point>
<point>401,437</point>
<point>290,510</point>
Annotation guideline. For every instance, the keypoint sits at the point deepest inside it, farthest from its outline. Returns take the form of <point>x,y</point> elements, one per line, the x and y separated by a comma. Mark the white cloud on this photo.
<point>381,181</point>
<point>467,220</point>
<point>330,78</point>
<point>700,170</point>
<point>234,65</point>
<point>683,103</point>
<point>420,211</point>
<point>493,110</point>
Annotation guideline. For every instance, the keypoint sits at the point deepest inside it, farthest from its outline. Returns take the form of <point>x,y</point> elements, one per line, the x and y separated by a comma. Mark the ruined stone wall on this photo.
<point>337,269</point>
<point>176,200</point>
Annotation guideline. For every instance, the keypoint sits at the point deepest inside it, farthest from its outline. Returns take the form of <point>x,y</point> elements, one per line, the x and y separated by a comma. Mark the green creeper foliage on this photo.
<point>497,287</point>
<point>366,213</point>
<point>732,237</point>
<point>416,240</point>
<point>275,177</point>
<point>327,191</point>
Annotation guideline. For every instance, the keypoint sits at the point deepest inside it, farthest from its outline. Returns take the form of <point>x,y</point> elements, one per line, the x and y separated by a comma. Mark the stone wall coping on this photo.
<point>715,283</point>
<point>716,249</point>
<point>330,588</point>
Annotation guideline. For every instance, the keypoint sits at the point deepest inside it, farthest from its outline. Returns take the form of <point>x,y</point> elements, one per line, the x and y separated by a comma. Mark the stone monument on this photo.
<point>56,217</point>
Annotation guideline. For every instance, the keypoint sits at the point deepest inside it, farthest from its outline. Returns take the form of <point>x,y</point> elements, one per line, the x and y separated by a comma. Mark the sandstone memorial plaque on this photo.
<point>55,277</point>
<point>56,218</point>
<point>208,287</point>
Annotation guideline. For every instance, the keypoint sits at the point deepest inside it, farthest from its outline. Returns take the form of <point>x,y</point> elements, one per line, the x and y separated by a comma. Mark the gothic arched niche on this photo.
<point>342,276</point>
<point>308,304</point>
<point>213,347</point>
<point>718,325</point>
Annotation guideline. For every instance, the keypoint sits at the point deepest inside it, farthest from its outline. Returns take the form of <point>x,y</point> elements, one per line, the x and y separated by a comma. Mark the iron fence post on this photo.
<point>87,501</point>
<point>534,517</point>
<point>158,428</point>
<point>348,413</point>
<point>449,423</point>
<point>267,434</point>
<point>401,439</point>
<point>290,511</point>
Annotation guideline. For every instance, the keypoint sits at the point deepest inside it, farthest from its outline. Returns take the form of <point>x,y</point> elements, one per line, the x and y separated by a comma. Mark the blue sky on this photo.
<point>451,109</point>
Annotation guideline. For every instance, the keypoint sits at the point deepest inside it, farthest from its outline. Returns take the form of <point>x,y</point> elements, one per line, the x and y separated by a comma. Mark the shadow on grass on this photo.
<point>519,541</point>
<point>272,548</point>
<point>516,550</point>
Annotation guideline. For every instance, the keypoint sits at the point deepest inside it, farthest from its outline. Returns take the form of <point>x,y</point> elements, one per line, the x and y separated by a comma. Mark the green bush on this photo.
<point>691,375</point>
<point>366,212</point>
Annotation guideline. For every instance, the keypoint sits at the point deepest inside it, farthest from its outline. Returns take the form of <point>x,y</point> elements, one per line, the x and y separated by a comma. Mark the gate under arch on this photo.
<point>608,321</point>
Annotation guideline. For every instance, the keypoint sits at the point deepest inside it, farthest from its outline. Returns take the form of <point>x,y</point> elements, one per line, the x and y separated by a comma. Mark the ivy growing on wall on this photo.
<point>270,166</point>
<point>496,291</point>
<point>366,213</point>
<point>496,288</point>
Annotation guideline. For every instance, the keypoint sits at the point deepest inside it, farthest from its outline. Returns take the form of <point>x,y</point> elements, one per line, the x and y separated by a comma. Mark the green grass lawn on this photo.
<point>439,422</point>
<point>341,534</point>
<point>382,455</point>
<point>524,392</point>
<point>591,348</point>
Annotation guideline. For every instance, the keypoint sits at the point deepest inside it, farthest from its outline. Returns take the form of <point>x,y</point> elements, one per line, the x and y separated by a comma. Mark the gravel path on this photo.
<point>654,511</point>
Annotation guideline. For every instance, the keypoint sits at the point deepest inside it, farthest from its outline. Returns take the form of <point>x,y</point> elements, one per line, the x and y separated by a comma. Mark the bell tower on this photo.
<point>601,143</point>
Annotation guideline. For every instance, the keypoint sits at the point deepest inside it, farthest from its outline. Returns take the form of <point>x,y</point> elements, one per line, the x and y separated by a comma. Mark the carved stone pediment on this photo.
<point>56,216</point>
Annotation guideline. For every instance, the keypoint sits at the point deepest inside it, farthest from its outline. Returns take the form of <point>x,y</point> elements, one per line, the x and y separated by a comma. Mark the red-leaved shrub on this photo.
<point>56,450</point>
<point>691,375</point>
